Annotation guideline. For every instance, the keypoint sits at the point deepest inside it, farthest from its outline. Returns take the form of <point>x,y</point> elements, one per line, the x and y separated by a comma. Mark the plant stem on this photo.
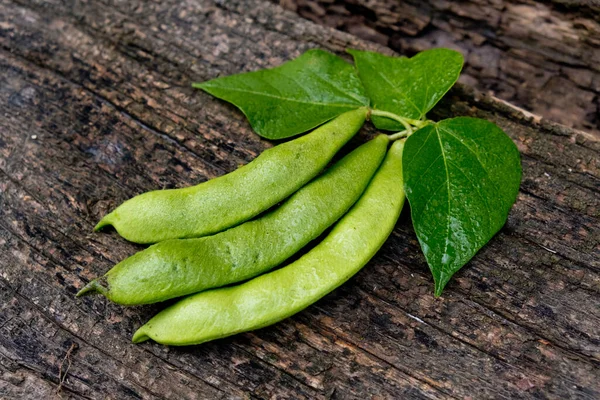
<point>395,117</point>
<point>408,123</point>
<point>417,122</point>
<point>397,135</point>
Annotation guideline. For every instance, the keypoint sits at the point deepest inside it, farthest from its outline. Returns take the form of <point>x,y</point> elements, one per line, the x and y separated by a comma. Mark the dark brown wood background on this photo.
<point>543,55</point>
<point>96,106</point>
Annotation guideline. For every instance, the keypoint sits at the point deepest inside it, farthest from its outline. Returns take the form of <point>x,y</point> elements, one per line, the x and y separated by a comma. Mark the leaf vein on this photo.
<point>492,187</point>
<point>422,174</point>
<point>290,99</point>
<point>328,83</point>
<point>437,189</point>
<point>488,208</point>
<point>420,148</point>
<point>467,147</point>
<point>401,94</point>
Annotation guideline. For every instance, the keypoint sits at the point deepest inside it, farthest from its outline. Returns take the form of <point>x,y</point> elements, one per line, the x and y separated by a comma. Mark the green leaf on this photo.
<point>408,87</point>
<point>294,97</point>
<point>462,176</point>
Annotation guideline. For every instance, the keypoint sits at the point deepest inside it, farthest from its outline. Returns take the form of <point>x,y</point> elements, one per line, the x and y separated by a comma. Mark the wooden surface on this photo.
<point>543,55</point>
<point>96,106</point>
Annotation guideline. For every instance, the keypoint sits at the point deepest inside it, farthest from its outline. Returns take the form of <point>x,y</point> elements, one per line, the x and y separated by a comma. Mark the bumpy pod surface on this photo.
<point>178,267</point>
<point>274,296</point>
<point>231,199</point>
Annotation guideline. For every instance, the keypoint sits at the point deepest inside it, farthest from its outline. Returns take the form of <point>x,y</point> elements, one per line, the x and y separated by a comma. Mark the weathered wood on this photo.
<point>540,55</point>
<point>96,107</point>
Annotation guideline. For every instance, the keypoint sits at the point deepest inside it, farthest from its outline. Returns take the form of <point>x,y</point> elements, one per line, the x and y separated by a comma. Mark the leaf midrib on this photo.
<point>401,94</point>
<point>339,90</point>
<point>488,208</point>
<point>286,98</point>
<point>437,131</point>
<point>475,154</point>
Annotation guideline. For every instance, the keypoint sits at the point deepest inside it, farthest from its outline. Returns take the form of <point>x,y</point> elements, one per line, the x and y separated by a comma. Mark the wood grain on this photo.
<point>96,107</point>
<point>540,55</point>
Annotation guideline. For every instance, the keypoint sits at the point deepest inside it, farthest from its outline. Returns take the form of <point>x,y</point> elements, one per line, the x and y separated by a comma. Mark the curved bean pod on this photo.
<point>277,295</point>
<point>231,199</point>
<point>177,267</point>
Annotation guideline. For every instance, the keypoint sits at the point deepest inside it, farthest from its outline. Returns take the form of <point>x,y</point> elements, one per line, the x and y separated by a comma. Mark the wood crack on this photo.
<point>463,341</point>
<point>506,318</point>
<point>429,382</point>
<point>56,229</point>
<point>165,136</point>
<point>43,377</point>
<point>284,372</point>
<point>585,357</point>
<point>565,177</point>
<point>65,329</point>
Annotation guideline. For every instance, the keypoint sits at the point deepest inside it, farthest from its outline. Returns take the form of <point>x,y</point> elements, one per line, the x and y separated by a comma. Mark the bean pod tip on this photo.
<point>92,288</point>
<point>106,221</point>
<point>140,336</point>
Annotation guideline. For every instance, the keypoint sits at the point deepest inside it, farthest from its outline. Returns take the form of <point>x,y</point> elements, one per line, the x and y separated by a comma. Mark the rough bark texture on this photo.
<point>541,55</point>
<point>96,107</point>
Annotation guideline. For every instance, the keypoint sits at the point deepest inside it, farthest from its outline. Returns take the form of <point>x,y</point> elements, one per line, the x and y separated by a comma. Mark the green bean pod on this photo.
<point>277,295</point>
<point>177,267</point>
<point>231,199</point>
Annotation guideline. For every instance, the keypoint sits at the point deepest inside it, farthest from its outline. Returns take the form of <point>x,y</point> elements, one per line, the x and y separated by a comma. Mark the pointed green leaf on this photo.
<point>408,87</point>
<point>462,176</point>
<point>294,97</point>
